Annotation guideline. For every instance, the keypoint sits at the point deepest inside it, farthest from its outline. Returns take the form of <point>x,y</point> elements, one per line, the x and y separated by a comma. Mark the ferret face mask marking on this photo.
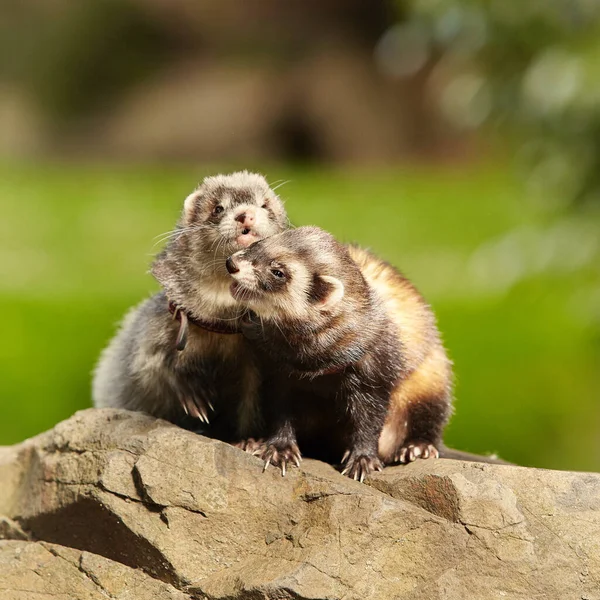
<point>275,280</point>
<point>232,212</point>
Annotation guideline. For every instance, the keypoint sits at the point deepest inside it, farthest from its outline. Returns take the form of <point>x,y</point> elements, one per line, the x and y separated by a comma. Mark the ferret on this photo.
<point>352,358</point>
<point>179,355</point>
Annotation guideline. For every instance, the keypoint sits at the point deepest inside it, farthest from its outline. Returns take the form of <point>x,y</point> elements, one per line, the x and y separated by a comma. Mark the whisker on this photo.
<point>166,233</point>
<point>281,184</point>
<point>175,232</point>
<point>281,331</point>
<point>214,263</point>
<point>166,237</point>
<point>218,246</point>
<point>215,242</point>
<point>232,318</point>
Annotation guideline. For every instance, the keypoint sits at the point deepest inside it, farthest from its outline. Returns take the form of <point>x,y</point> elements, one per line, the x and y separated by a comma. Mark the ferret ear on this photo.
<point>327,291</point>
<point>189,207</point>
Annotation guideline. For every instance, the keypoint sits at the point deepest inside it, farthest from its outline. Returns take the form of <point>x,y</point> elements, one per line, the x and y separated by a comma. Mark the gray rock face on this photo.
<point>119,505</point>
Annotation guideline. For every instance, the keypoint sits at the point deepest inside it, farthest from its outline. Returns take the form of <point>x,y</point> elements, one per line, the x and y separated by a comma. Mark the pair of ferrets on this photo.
<point>282,335</point>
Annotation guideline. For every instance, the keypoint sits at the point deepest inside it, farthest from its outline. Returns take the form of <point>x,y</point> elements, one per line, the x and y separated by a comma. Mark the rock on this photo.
<point>36,569</point>
<point>139,498</point>
<point>9,530</point>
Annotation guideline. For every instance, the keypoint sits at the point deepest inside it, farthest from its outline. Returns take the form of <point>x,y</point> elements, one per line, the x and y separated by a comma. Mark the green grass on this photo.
<point>512,284</point>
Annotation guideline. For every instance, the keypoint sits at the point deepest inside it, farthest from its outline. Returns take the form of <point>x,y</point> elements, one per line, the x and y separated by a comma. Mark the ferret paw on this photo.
<point>358,466</point>
<point>196,407</point>
<point>413,450</point>
<point>279,455</point>
<point>250,445</point>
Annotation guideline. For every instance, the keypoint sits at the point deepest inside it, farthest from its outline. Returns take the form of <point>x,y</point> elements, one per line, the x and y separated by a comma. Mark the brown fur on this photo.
<point>423,396</point>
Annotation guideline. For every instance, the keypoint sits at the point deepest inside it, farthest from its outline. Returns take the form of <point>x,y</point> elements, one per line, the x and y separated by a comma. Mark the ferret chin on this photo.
<point>354,367</point>
<point>179,355</point>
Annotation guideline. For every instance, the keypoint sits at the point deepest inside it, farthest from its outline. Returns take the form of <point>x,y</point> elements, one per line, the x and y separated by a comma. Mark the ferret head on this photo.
<point>299,274</point>
<point>224,214</point>
<point>234,210</point>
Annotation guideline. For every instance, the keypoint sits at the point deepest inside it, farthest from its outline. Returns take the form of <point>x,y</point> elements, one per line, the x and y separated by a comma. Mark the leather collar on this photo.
<point>181,314</point>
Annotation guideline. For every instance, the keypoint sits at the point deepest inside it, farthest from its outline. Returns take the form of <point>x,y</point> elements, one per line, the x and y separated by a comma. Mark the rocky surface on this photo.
<point>31,570</point>
<point>111,504</point>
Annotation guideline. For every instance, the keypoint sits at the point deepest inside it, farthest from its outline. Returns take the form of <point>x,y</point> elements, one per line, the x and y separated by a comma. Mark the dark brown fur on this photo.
<point>329,370</point>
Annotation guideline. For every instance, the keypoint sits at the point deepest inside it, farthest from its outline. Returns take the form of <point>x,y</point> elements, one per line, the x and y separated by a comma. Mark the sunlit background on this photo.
<point>459,140</point>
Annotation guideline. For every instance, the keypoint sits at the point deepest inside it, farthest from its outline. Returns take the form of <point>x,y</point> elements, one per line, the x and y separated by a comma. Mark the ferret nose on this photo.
<point>246,218</point>
<point>231,267</point>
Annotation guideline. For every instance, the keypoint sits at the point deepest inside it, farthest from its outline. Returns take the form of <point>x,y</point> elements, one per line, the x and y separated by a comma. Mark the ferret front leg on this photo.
<point>250,421</point>
<point>366,412</point>
<point>281,446</point>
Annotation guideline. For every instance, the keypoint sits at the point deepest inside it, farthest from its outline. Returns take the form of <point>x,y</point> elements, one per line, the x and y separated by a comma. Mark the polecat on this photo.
<point>352,358</point>
<point>180,351</point>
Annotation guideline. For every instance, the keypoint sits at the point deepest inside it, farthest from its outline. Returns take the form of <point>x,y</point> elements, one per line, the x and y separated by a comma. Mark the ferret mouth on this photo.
<point>241,293</point>
<point>246,237</point>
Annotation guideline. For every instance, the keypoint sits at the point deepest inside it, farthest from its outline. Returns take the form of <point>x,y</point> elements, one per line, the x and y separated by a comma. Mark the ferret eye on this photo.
<point>218,209</point>
<point>279,274</point>
<point>264,204</point>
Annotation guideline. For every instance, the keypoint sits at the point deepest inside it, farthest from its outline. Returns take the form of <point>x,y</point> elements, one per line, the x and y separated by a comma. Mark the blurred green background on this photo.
<point>459,140</point>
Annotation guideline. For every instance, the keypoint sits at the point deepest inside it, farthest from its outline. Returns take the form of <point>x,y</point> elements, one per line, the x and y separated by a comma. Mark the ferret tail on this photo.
<point>460,455</point>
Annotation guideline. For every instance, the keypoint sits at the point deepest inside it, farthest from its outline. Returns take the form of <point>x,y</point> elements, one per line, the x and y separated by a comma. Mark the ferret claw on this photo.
<point>279,456</point>
<point>202,411</point>
<point>195,407</point>
<point>358,466</point>
<point>251,446</point>
<point>413,450</point>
